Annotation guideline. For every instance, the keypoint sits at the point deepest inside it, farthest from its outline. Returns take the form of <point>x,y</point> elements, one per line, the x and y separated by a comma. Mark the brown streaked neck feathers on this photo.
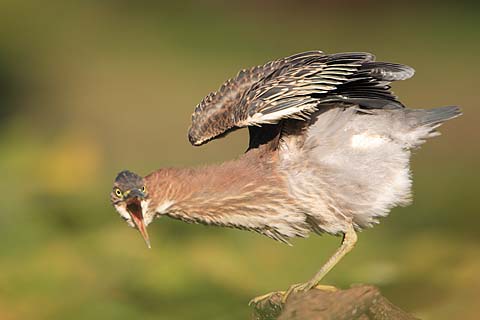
<point>247,193</point>
<point>252,170</point>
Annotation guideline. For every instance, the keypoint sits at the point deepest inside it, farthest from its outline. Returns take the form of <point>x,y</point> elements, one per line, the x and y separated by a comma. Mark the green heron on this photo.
<point>329,152</point>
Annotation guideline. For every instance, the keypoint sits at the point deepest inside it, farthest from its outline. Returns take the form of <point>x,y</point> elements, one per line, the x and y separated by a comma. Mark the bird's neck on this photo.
<point>245,193</point>
<point>206,188</point>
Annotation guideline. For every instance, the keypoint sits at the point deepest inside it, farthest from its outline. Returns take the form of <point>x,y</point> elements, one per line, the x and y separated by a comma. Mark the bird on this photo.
<point>329,152</point>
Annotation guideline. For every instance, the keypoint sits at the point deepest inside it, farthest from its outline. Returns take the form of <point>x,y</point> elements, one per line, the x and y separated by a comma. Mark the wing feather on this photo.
<point>294,87</point>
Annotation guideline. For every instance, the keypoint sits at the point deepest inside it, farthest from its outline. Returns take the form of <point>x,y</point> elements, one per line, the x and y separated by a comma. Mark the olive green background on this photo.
<point>88,88</point>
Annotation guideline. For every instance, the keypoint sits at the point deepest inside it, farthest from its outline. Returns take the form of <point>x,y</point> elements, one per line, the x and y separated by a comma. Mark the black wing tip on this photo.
<point>388,71</point>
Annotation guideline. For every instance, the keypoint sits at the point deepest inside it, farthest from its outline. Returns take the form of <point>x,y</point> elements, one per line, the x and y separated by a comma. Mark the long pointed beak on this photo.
<point>134,207</point>
<point>141,227</point>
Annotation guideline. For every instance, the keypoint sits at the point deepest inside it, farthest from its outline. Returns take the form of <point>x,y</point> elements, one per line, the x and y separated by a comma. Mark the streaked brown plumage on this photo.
<point>243,194</point>
<point>295,84</point>
<point>329,152</point>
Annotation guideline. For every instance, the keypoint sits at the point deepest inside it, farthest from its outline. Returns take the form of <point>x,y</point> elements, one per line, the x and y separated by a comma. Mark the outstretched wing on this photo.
<point>294,87</point>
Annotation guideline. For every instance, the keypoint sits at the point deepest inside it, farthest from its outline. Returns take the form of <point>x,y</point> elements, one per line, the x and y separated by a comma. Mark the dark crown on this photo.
<point>129,179</point>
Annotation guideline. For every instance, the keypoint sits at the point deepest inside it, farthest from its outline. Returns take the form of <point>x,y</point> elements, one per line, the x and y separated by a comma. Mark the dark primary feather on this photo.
<point>387,71</point>
<point>294,87</point>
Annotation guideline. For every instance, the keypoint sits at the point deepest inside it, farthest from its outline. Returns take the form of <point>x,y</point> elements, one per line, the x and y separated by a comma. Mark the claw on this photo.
<point>325,287</point>
<point>303,287</point>
<point>295,288</point>
<point>261,298</point>
<point>265,297</point>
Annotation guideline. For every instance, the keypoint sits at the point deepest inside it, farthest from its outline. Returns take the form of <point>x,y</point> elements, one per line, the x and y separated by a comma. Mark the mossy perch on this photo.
<point>359,302</point>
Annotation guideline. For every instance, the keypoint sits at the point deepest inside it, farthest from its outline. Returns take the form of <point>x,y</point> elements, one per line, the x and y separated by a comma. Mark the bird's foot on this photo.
<point>280,297</point>
<point>267,298</point>
<point>268,306</point>
<point>296,288</point>
<point>325,287</point>
<point>303,287</point>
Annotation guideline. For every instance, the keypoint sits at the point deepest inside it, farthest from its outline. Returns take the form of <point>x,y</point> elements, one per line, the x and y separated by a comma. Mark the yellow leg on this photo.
<point>349,240</point>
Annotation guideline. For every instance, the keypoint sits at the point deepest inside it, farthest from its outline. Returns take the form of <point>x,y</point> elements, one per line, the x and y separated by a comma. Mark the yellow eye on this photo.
<point>143,189</point>
<point>118,192</point>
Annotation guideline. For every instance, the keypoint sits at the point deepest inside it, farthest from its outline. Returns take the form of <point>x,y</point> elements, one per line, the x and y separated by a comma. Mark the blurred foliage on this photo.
<point>88,88</point>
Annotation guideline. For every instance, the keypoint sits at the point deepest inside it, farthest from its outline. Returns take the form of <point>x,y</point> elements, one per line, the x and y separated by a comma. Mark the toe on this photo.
<point>265,298</point>
<point>326,288</point>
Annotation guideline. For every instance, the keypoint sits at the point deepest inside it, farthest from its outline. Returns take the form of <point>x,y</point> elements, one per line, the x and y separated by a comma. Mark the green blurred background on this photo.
<point>88,88</point>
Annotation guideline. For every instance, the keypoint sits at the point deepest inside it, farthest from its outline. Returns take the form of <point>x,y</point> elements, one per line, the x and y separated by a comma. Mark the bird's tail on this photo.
<point>422,123</point>
<point>433,117</point>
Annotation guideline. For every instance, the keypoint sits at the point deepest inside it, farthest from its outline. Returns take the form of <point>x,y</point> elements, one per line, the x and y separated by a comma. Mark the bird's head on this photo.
<point>130,198</point>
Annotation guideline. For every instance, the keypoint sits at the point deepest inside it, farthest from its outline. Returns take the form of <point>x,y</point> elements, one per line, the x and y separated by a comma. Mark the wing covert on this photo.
<point>294,87</point>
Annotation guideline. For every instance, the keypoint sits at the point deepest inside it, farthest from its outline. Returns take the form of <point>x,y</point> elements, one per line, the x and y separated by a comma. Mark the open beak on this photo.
<point>134,207</point>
